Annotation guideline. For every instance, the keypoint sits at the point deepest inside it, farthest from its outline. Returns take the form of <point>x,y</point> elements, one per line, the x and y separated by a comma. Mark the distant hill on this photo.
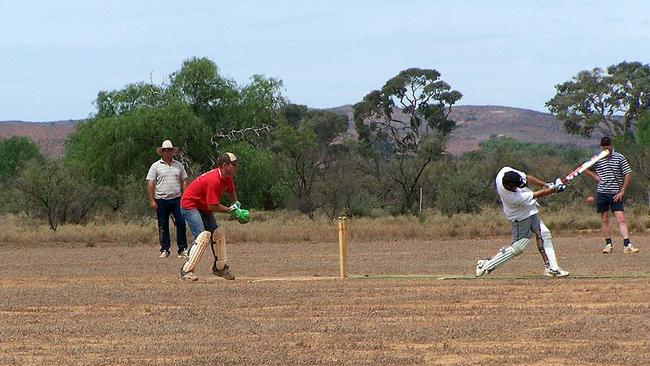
<point>49,136</point>
<point>475,125</point>
<point>478,123</point>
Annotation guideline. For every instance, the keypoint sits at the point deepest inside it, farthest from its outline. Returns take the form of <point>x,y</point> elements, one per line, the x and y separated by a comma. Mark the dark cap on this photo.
<point>513,179</point>
<point>605,141</point>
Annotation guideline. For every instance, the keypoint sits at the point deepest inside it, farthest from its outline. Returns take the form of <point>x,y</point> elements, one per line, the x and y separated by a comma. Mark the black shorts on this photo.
<point>605,202</point>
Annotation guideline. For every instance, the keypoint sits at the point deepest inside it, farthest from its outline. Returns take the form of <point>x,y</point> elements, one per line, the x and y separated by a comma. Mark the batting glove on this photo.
<point>560,188</point>
<point>549,185</point>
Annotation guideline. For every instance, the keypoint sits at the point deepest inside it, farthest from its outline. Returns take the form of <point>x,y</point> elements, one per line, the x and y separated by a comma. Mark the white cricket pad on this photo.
<point>196,251</point>
<point>505,254</point>
<point>220,248</point>
<point>548,247</point>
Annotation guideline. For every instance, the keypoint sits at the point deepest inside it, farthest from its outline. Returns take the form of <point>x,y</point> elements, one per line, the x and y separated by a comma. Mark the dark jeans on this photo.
<point>166,207</point>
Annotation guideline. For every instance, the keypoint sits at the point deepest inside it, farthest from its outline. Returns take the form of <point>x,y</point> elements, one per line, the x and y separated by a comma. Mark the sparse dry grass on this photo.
<point>113,305</point>
<point>290,227</point>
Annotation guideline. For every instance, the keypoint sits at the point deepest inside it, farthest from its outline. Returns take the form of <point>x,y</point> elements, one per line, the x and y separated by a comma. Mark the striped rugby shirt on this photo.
<point>167,179</point>
<point>612,171</point>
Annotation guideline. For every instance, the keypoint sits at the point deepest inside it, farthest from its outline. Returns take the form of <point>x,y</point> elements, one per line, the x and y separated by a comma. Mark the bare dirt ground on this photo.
<point>115,304</point>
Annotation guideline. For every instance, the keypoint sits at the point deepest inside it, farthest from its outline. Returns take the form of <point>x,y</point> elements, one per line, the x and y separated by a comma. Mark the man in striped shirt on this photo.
<point>613,175</point>
<point>165,183</point>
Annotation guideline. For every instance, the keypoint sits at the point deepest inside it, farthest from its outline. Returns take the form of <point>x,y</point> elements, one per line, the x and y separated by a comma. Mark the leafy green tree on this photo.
<point>406,124</point>
<point>208,94</point>
<point>259,181</point>
<point>261,103</point>
<point>410,106</point>
<point>57,191</point>
<point>306,154</point>
<point>16,152</point>
<point>637,152</point>
<point>130,98</point>
<point>462,190</point>
<point>609,102</point>
<point>124,145</point>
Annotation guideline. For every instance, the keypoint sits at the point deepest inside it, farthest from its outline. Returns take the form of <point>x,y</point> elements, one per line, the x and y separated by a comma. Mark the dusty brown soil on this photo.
<point>120,305</point>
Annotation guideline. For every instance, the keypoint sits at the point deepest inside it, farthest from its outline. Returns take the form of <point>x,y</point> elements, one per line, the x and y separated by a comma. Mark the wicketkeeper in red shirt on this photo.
<point>199,202</point>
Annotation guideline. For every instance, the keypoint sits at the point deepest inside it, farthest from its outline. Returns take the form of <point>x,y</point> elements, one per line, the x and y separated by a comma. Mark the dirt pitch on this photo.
<point>120,305</point>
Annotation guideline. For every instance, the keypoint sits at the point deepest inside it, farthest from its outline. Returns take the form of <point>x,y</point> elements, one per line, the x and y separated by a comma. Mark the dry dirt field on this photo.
<point>118,304</point>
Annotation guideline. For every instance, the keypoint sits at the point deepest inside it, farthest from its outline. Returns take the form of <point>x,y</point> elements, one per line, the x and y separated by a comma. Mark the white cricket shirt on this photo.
<point>519,204</point>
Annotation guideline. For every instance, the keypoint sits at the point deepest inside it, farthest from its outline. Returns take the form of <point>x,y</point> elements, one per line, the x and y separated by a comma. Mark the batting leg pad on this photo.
<point>196,251</point>
<point>548,247</point>
<point>221,254</point>
<point>505,254</point>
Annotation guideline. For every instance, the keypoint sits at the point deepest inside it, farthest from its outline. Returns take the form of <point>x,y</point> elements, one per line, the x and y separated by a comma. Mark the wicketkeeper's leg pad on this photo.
<point>220,252</point>
<point>196,251</point>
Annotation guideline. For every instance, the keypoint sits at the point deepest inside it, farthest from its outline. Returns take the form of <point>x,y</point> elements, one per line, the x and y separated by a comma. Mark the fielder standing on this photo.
<point>165,183</point>
<point>199,202</point>
<point>613,175</point>
<point>520,207</point>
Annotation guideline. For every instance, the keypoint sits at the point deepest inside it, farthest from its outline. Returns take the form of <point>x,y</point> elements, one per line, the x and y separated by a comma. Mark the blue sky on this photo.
<point>57,55</point>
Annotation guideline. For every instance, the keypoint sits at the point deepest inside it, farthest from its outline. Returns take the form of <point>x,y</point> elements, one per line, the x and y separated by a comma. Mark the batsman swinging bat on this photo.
<point>586,165</point>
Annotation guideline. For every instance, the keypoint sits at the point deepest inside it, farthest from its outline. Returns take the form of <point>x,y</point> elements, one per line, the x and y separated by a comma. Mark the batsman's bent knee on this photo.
<point>519,246</point>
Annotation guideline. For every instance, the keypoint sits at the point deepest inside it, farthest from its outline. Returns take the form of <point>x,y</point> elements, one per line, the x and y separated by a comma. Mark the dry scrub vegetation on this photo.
<point>289,227</point>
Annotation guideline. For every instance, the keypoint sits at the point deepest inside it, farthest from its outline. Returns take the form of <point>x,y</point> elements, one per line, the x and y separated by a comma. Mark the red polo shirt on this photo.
<point>206,190</point>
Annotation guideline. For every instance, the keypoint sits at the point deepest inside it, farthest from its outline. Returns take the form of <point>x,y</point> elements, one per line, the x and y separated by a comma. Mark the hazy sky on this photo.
<point>55,56</point>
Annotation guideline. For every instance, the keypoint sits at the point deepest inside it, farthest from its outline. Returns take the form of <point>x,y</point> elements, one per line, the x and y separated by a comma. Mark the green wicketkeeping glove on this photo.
<point>243,216</point>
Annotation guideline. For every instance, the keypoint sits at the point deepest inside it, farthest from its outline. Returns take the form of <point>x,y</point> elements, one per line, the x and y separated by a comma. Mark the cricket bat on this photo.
<point>584,166</point>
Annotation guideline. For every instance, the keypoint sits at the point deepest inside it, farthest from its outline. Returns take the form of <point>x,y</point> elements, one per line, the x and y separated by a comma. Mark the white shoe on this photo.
<point>607,249</point>
<point>187,276</point>
<point>627,249</point>
<point>164,254</point>
<point>184,254</point>
<point>555,272</point>
<point>479,267</point>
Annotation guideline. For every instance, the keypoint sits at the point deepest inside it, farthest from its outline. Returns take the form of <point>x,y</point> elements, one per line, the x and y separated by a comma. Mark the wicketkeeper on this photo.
<point>520,207</point>
<point>199,202</point>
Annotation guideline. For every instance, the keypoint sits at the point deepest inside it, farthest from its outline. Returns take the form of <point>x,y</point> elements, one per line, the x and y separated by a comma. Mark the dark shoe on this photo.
<point>225,272</point>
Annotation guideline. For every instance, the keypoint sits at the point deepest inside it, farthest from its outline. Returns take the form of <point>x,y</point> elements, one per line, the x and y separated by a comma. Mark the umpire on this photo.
<point>613,175</point>
<point>165,183</point>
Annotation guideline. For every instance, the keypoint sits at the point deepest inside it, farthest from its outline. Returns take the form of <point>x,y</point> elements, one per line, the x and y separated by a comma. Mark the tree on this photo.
<point>637,151</point>
<point>609,102</point>
<point>207,93</point>
<point>16,152</point>
<point>306,153</point>
<point>57,191</point>
<point>406,124</point>
<point>124,145</point>
<point>130,98</point>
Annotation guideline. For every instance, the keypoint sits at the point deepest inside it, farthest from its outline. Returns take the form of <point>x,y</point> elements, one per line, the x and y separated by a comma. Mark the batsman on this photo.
<point>200,201</point>
<point>520,207</point>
